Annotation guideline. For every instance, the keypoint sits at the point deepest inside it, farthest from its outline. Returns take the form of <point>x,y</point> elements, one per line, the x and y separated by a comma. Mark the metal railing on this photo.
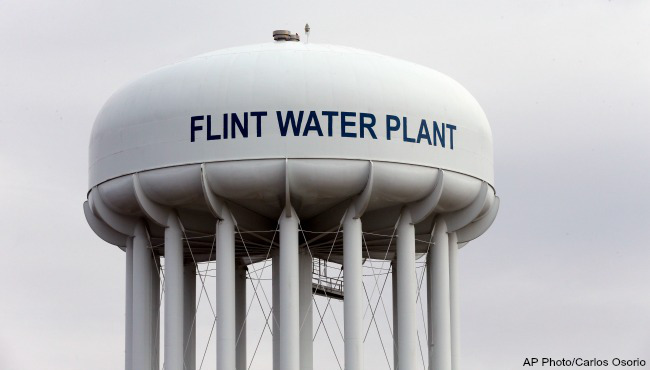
<point>322,282</point>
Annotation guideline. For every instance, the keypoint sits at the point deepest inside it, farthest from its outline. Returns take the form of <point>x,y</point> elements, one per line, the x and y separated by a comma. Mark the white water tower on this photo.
<point>349,156</point>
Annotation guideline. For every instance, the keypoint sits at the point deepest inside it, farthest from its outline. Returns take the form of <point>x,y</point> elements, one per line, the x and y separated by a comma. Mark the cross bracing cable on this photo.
<point>324,291</point>
<point>372,319</point>
<point>377,286</point>
<point>322,315</point>
<point>255,294</point>
<point>327,333</point>
<point>189,247</point>
<point>161,277</point>
<point>260,340</point>
<point>214,322</point>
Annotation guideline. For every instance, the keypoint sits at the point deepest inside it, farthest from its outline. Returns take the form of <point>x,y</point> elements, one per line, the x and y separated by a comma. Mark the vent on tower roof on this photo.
<point>285,35</point>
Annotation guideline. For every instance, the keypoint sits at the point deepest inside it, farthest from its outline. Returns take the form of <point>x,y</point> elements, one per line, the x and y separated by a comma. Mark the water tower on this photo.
<point>346,155</point>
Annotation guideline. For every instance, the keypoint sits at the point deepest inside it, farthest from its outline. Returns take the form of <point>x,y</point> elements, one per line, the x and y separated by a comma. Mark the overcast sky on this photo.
<point>564,270</point>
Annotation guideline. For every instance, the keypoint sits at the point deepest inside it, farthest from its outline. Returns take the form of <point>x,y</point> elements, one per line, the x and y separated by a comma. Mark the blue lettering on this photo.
<point>329,115</point>
<point>312,124</point>
<point>292,124</point>
<point>405,134</point>
<point>258,116</point>
<point>194,127</point>
<point>424,132</point>
<point>236,123</point>
<point>210,136</point>
<point>451,136</point>
<point>390,128</point>
<point>438,134</point>
<point>345,124</point>
<point>367,126</point>
<point>225,125</point>
<point>284,124</point>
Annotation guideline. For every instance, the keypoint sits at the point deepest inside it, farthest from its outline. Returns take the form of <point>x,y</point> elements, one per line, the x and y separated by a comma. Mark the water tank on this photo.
<point>300,138</point>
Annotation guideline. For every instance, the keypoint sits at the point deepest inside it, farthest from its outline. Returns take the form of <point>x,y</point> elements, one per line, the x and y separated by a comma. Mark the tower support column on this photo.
<point>353,302</point>
<point>189,311</point>
<point>454,301</point>
<point>240,312</point>
<point>306,311</point>
<point>289,293</point>
<point>439,299</point>
<point>128,328</point>
<point>226,314</point>
<point>275,316</point>
<point>142,305</point>
<point>406,294</point>
<point>395,318</point>
<point>173,294</point>
<point>155,312</point>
